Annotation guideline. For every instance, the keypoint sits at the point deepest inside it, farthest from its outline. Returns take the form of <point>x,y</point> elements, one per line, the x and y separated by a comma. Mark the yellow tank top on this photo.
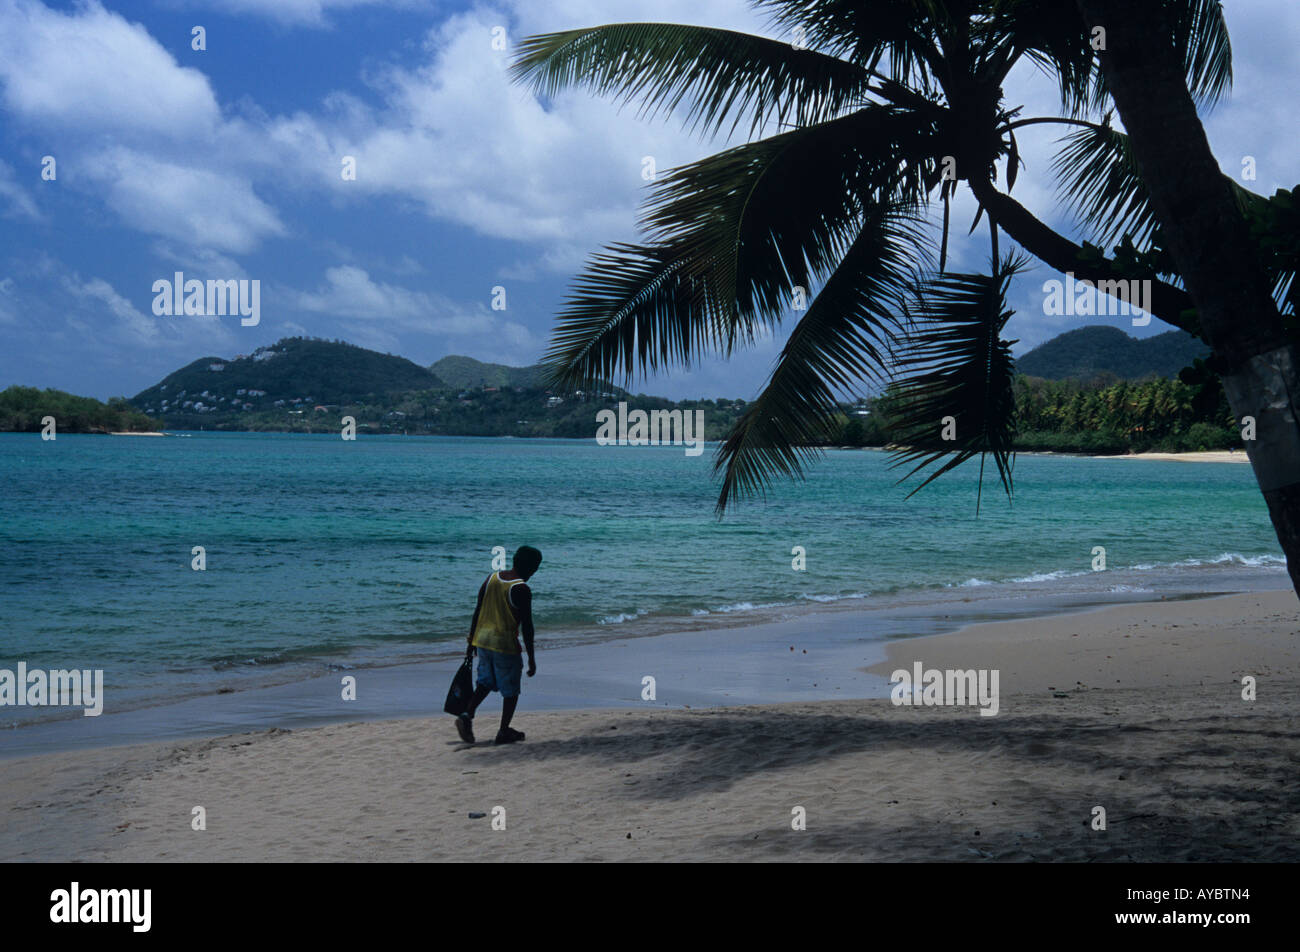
<point>497,628</point>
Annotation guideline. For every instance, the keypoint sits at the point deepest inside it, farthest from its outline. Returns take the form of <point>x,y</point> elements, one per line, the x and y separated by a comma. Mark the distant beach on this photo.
<point>1214,456</point>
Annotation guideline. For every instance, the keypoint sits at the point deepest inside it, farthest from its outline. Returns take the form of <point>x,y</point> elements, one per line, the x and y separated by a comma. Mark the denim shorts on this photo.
<point>498,671</point>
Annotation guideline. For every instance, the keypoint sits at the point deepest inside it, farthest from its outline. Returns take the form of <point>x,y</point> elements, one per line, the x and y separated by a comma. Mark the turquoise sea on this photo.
<point>327,554</point>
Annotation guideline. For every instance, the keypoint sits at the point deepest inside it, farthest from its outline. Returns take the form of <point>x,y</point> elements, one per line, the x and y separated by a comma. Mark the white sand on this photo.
<point>1209,456</point>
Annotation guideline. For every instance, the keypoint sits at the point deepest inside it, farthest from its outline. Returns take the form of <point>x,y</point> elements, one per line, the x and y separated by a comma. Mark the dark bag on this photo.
<point>462,690</point>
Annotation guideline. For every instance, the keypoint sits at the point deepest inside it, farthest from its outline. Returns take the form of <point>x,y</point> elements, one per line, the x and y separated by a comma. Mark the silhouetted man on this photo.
<point>505,605</point>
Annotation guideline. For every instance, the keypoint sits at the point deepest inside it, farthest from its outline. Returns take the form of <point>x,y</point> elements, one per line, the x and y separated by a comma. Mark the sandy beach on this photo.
<point>1137,709</point>
<point>1209,456</point>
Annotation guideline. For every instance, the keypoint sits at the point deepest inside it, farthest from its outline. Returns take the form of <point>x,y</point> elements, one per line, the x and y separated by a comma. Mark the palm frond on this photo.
<point>778,214</point>
<point>1201,32</point>
<point>1099,177</point>
<point>717,73</point>
<point>1053,36</point>
<point>899,31</point>
<point>838,344</point>
<point>730,239</point>
<point>1275,226</point>
<point>962,376</point>
<point>634,306</point>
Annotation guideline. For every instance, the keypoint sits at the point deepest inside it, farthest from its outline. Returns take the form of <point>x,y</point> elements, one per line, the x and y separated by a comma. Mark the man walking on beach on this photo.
<point>505,605</point>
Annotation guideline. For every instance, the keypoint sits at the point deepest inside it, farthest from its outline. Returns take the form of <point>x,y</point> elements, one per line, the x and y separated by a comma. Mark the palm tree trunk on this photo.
<point>1208,239</point>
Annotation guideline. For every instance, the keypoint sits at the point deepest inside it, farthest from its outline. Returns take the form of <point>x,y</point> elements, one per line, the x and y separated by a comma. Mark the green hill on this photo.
<point>305,385</point>
<point>1091,351</point>
<point>467,372</point>
<point>23,408</point>
<point>293,371</point>
<point>423,409</point>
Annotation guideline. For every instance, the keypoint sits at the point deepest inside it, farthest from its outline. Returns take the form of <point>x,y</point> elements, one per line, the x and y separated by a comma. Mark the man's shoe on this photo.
<point>509,735</point>
<point>465,728</point>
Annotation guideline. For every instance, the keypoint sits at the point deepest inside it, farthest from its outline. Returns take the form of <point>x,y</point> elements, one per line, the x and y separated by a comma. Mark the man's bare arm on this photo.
<point>521,600</point>
<point>482,589</point>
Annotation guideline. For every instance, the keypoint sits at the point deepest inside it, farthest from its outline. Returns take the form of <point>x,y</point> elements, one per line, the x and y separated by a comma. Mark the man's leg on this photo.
<point>511,669</point>
<point>465,723</point>
<point>487,679</point>
<point>486,685</point>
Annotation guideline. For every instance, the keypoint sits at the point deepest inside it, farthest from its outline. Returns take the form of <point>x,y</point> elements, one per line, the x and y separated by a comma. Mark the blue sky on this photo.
<point>225,163</point>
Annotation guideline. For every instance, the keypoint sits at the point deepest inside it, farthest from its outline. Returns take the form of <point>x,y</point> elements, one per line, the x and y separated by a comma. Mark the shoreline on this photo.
<point>1198,456</point>
<point>850,648</point>
<point>296,685</point>
<point>1164,752</point>
<point>1151,456</point>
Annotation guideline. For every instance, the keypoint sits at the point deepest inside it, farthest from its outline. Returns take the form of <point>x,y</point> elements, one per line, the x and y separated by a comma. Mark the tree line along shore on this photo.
<point>1104,415</point>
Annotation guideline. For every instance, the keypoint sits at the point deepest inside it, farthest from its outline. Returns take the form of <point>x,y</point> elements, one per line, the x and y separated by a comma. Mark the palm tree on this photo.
<point>1239,290</point>
<point>874,114</point>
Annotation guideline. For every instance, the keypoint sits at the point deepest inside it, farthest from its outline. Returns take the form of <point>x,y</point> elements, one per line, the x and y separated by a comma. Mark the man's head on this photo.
<point>526,561</point>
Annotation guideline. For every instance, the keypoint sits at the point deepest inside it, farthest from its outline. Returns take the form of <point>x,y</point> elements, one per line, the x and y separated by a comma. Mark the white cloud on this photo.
<point>454,135</point>
<point>130,321</point>
<point>92,69</point>
<point>202,262</point>
<point>350,292</point>
<point>130,124</point>
<point>60,300</point>
<point>313,13</point>
<point>458,137</point>
<point>203,208</point>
